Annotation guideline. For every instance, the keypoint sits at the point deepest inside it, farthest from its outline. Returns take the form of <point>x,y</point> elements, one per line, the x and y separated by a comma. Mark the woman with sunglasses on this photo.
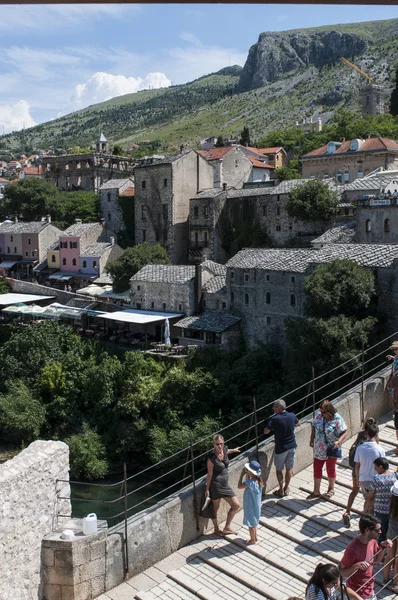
<point>217,482</point>
<point>327,434</point>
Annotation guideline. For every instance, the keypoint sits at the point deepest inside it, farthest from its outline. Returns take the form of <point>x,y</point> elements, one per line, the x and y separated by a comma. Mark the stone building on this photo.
<point>348,160</point>
<point>216,328</point>
<point>265,286</point>
<point>233,167</point>
<point>114,196</point>
<point>163,188</point>
<point>86,172</point>
<point>220,218</point>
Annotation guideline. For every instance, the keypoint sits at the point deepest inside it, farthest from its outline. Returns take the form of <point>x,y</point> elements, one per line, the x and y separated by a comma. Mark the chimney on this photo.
<point>48,218</point>
<point>198,287</point>
<point>182,148</point>
<point>224,187</point>
<point>112,239</point>
<point>78,221</point>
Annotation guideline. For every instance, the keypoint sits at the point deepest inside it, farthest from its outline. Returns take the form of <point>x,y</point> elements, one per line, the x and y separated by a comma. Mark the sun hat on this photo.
<point>393,346</point>
<point>394,489</point>
<point>254,467</point>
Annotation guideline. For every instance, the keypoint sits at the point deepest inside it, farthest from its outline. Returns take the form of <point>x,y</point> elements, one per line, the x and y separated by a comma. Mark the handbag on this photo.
<point>207,512</point>
<point>331,451</point>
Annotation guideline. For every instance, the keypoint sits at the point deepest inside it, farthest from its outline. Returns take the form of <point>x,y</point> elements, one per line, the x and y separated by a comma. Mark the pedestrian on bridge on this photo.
<point>252,485</point>
<point>324,582</point>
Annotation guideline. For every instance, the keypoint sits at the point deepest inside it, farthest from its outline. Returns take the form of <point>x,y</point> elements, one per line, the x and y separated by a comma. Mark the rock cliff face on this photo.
<point>278,54</point>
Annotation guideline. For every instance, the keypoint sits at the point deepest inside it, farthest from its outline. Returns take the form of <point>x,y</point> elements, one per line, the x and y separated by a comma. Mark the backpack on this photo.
<point>361,438</point>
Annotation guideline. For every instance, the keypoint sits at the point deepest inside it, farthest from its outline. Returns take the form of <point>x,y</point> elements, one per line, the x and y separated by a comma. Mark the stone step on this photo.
<point>264,579</point>
<point>208,583</point>
<point>167,590</point>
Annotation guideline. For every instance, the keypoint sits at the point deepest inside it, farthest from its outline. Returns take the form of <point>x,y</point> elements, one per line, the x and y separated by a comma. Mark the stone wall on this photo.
<point>372,227</point>
<point>27,287</point>
<point>28,508</point>
<point>332,164</point>
<point>176,297</point>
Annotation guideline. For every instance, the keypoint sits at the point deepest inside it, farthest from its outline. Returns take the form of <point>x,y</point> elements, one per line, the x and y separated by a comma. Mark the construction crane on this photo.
<point>357,69</point>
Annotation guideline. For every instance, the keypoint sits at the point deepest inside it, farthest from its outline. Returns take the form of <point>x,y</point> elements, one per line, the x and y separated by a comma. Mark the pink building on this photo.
<point>73,242</point>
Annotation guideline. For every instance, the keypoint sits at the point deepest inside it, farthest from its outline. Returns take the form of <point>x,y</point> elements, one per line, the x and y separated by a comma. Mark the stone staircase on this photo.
<point>294,536</point>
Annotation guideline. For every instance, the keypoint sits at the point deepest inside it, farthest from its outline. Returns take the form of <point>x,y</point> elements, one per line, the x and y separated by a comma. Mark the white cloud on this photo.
<point>14,117</point>
<point>104,86</point>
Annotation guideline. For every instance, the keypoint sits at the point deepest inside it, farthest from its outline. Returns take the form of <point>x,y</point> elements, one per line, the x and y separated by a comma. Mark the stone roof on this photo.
<point>78,229</point>
<point>339,234</point>
<point>96,249</point>
<point>209,193</point>
<point>114,183</point>
<point>376,144</point>
<point>163,159</point>
<point>23,227</point>
<point>102,138</point>
<point>165,274</point>
<point>216,321</point>
<point>104,278</point>
<point>297,261</point>
<point>216,153</point>
<point>214,267</point>
<point>370,183</point>
<point>215,285</point>
<point>260,191</point>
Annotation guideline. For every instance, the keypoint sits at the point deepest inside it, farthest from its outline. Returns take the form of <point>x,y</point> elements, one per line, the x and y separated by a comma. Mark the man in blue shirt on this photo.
<point>282,424</point>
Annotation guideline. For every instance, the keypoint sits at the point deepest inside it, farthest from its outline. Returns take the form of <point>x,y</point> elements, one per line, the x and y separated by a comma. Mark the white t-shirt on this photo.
<point>365,455</point>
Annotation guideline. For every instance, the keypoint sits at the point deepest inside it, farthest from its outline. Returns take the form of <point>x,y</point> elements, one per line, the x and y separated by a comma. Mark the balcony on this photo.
<point>371,200</point>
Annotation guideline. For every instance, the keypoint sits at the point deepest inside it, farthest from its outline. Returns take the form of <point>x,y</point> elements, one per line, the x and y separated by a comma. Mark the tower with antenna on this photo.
<point>372,92</point>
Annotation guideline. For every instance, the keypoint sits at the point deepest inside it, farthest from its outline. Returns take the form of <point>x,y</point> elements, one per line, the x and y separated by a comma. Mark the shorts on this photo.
<point>396,420</point>
<point>285,459</point>
<point>364,486</point>
<point>392,530</point>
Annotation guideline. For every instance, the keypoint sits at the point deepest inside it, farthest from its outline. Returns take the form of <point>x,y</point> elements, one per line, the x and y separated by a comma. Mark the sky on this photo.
<point>55,59</point>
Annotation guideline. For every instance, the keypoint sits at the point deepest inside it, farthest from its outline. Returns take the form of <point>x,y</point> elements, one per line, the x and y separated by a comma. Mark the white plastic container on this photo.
<point>90,524</point>
<point>67,534</point>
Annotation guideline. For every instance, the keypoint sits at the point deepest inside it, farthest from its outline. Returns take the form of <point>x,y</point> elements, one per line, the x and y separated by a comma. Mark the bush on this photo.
<point>21,415</point>
<point>87,455</point>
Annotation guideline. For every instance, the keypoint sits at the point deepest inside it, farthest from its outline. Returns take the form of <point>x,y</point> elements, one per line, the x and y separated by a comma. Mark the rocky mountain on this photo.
<point>288,76</point>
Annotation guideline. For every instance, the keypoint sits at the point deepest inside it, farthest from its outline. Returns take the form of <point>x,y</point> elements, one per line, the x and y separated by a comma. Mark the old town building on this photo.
<point>116,198</point>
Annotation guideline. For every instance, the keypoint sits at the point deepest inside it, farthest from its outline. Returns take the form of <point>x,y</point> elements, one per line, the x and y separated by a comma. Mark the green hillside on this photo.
<point>210,105</point>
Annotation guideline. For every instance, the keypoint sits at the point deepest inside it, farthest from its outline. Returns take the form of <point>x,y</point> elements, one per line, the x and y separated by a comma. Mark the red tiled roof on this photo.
<point>216,153</point>
<point>370,145</point>
<point>32,170</point>
<point>129,192</point>
<point>259,163</point>
<point>265,150</point>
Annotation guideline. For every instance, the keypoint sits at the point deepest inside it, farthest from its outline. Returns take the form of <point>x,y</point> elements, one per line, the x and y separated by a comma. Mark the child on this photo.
<point>251,497</point>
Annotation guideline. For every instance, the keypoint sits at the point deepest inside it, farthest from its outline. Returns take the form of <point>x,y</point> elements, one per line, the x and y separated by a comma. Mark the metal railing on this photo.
<point>170,474</point>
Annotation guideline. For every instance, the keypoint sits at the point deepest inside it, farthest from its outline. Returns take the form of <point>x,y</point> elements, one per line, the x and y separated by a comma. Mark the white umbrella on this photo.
<point>17,309</point>
<point>53,312</point>
<point>167,331</point>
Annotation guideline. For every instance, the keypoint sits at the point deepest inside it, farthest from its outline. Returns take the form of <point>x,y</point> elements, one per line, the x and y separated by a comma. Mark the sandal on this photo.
<point>286,492</point>
<point>347,520</point>
<point>229,532</point>
<point>312,496</point>
<point>328,494</point>
<point>279,494</point>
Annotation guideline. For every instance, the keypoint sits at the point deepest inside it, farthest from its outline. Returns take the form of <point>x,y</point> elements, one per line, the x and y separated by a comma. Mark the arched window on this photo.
<point>386,225</point>
<point>368,226</point>
<point>232,297</point>
<point>339,176</point>
<point>64,261</point>
<point>74,262</point>
<point>292,300</point>
<point>346,176</point>
<point>246,299</point>
<point>268,298</point>
<point>109,196</point>
<point>53,258</point>
<point>29,241</point>
<point>84,264</point>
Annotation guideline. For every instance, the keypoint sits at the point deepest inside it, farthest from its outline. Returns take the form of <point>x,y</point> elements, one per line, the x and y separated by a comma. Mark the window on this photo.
<point>29,242</point>
<point>268,298</point>
<point>63,244</point>
<point>109,196</point>
<point>74,262</point>
<point>246,277</point>
<point>138,305</point>
<point>143,184</point>
<point>164,306</point>
<point>165,210</point>
<point>26,253</point>
<point>64,261</point>
<point>196,211</point>
<point>138,288</point>
<point>164,182</point>
<point>339,177</point>
<point>360,173</point>
<point>53,258</point>
<point>232,274</point>
<point>278,210</point>
<point>94,264</point>
<point>386,225</point>
<point>180,307</point>
<point>268,320</point>
<point>33,252</point>
<point>11,238</point>
<point>267,277</point>
<point>232,297</point>
<point>292,300</point>
<point>247,299</point>
<point>152,305</point>
<point>143,212</point>
<point>205,211</point>
<point>368,226</point>
<point>8,250</point>
<point>15,249</point>
<point>224,305</point>
<point>206,239</point>
<point>72,245</point>
<point>292,279</point>
<point>144,235</point>
<point>290,227</point>
<point>264,211</point>
<point>278,228</point>
<point>109,216</point>
<point>346,176</point>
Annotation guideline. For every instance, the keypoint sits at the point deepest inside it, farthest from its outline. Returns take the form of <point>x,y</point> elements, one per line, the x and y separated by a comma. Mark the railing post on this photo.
<point>126,546</point>
<point>362,378</point>
<point>255,424</point>
<point>313,392</point>
<point>195,499</point>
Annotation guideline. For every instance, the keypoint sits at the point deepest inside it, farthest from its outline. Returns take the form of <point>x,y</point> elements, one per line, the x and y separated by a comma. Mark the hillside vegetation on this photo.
<point>211,105</point>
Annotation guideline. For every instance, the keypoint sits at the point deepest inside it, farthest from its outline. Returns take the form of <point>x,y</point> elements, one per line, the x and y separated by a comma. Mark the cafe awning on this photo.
<point>7,264</point>
<point>140,317</point>
<point>7,299</point>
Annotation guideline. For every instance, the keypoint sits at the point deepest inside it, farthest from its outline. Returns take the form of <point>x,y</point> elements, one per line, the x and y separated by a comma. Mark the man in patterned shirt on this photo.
<point>380,494</point>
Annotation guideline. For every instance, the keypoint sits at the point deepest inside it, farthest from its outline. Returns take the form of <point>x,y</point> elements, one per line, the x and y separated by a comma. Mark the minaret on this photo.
<point>101,143</point>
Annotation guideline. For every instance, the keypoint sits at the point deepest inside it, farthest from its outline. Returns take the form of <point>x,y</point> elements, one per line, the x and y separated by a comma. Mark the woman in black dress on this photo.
<point>217,482</point>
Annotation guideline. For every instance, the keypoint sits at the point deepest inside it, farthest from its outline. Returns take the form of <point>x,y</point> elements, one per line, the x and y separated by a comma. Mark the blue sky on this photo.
<point>55,59</point>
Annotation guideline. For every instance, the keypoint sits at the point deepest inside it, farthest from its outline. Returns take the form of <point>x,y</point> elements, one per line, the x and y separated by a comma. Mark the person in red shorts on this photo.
<point>360,556</point>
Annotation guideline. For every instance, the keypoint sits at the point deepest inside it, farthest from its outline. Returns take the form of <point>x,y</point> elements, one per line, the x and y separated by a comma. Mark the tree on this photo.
<point>312,201</point>
<point>21,415</point>
<point>28,197</point>
<point>87,455</point>
<point>132,260</point>
<point>285,173</point>
<point>220,142</point>
<point>117,150</point>
<point>394,97</point>
<point>245,136</point>
<point>66,207</point>
<point>4,287</point>
<point>341,287</point>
